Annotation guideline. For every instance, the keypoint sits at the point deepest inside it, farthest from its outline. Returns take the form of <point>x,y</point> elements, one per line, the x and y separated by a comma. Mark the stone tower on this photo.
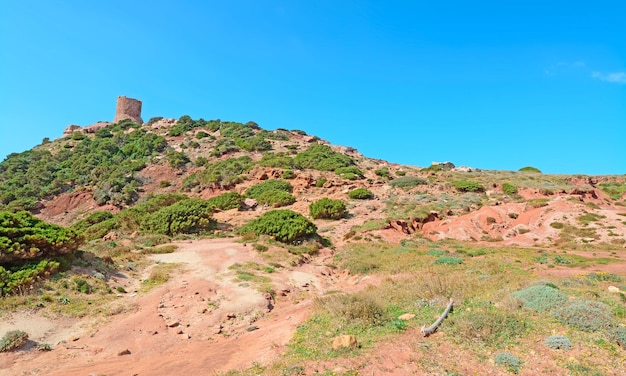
<point>128,108</point>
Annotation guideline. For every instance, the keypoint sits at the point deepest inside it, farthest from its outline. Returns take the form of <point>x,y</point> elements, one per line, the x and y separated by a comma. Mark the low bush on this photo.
<point>226,201</point>
<point>448,261</point>
<point>509,189</point>
<point>383,172</point>
<point>275,198</point>
<point>326,208</point>
<point>508,361</point>
<point>288,174</point>
<point>184,217</point>
<point>529,169</point>
<point>468,186</point>
<point>488,326</point>
<point>322,158</point>
<point>361,194</point>
<point>407,182</point>
<point>540,298</point>
<point>559,342</point>
<point>283,225</point>
<point>350,172</point>
<point>360,308</point>
<point>619,336</point>
<point>12,340</point>
<point>320,182</point>
<point>269,185</point>
<point>586,315</point>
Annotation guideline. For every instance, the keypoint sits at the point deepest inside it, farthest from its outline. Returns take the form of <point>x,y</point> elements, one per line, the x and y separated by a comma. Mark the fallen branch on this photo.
<point>433,328</point>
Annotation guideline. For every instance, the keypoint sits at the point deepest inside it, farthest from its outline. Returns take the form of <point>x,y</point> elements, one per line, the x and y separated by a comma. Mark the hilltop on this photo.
<point>222,246</point>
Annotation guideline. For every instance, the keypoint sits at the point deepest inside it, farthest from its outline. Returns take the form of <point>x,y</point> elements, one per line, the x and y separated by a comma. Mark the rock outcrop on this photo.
<point>128,108</point>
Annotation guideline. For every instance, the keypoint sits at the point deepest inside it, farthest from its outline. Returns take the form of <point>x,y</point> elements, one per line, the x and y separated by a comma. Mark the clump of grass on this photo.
<point>160,250</point>
<point>488,326</point>
<point>448,261</point>
<point>509,361</point>
<point>559,342</point>
<point>586,315</point>
<point>538,202</point>
<point>540,298</point>
<point>605,277</point>
<point>12,340</point>
<point>357,308</point>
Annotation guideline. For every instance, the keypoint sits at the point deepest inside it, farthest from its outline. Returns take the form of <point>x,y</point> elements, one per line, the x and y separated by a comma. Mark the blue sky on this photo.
<point>490,84</point>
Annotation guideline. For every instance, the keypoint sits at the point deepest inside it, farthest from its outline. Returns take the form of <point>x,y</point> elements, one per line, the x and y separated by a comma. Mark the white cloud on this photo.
<point>617,77</point>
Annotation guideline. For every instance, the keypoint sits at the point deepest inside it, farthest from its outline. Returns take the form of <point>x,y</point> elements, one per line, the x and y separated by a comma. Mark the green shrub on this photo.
<point>184,217</point>
<point>284,225</point>
<point>350,172</point>
<point>278,160</point>
<point>322,158</point>
<point>383,172</point>
<point>98,230</point>
<point>488,326</point>
<point>361,194</point>
<point>509,189</point>
<point>177,159</point>
<point>407,182</point>
<point>557,225</point>
<point>585,315</point>
<point>269,185</point>
<point>508,361</point>
<point>468,186</point>
<point>320,182</point>
<point>223,174</point>
<point>529,169</point>
<point>90,220</point>
<point>275,198</point>
<point>18,279</point>
<point>327,209</point>
<point>83,286</point>
<point>12,340</point>
<point>614,189</point>
<point>25,237</point>
<point>619,336</point>
<point>226,201</point>
<point>540,298</point>
<point>559,342</point>
<point>288,174</point>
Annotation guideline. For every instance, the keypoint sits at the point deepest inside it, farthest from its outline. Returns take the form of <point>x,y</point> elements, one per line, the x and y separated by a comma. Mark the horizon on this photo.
<point>496,88</point>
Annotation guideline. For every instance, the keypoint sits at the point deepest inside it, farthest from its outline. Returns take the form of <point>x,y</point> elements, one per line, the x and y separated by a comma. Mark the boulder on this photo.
<point>346,340</point>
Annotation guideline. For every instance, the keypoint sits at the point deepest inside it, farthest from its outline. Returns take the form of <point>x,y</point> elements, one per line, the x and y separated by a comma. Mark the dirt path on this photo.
<point>198,322</point>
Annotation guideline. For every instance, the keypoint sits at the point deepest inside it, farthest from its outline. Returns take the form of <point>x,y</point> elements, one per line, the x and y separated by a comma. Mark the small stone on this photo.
<point>406,317</point>
<point>74,339</point>
<point>252,328</point>
<point>613,289</point>
<point>346,340</point>
<point>124,352</point>
<point>173,323</point>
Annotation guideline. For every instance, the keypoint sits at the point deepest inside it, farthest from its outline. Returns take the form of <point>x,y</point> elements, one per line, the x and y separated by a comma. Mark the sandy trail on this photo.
<point>196,323</point>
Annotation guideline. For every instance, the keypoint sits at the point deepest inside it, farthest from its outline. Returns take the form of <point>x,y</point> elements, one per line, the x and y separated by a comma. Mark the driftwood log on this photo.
<point>433,328</point>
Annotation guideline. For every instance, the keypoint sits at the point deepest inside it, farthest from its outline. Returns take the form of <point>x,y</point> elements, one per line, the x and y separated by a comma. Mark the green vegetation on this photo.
<point>275,198</point>
<point>183,217</point>
<point>383,172</point>
<point>326,208</point>
<point>24,237</point>
<point>468,186</point>
<point>107,161</point>
<point>279,160</point>
<point>614,189</point>
<point>349,173</point>
<point>541,298</point>
<point>508,361</point>
<point>361,194</point>
<point>558,342</point>
<point>269,185</point>
<point>509,189</point>
<point>223,174</point>
<point>283,225</point>
<point>585,315</point>
<point>226,201</point>
<point>12,340</point>
<point>529,169</point>
<point>322,158</point>
<point>407,182</point>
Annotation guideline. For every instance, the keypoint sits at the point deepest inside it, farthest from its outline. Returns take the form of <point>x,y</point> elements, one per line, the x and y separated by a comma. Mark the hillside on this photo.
<point>217,246</point>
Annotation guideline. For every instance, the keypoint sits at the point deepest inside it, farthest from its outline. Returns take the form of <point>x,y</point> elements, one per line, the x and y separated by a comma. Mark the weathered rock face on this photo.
<point>71,129</point>
<point>93,128</point>
<point>128,108</point>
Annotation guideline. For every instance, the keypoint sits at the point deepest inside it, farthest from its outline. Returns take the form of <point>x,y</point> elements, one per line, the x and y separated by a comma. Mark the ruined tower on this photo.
<point>128,108</point>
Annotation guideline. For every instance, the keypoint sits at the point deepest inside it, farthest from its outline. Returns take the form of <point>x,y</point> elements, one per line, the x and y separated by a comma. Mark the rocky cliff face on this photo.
<point>128,108</point>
